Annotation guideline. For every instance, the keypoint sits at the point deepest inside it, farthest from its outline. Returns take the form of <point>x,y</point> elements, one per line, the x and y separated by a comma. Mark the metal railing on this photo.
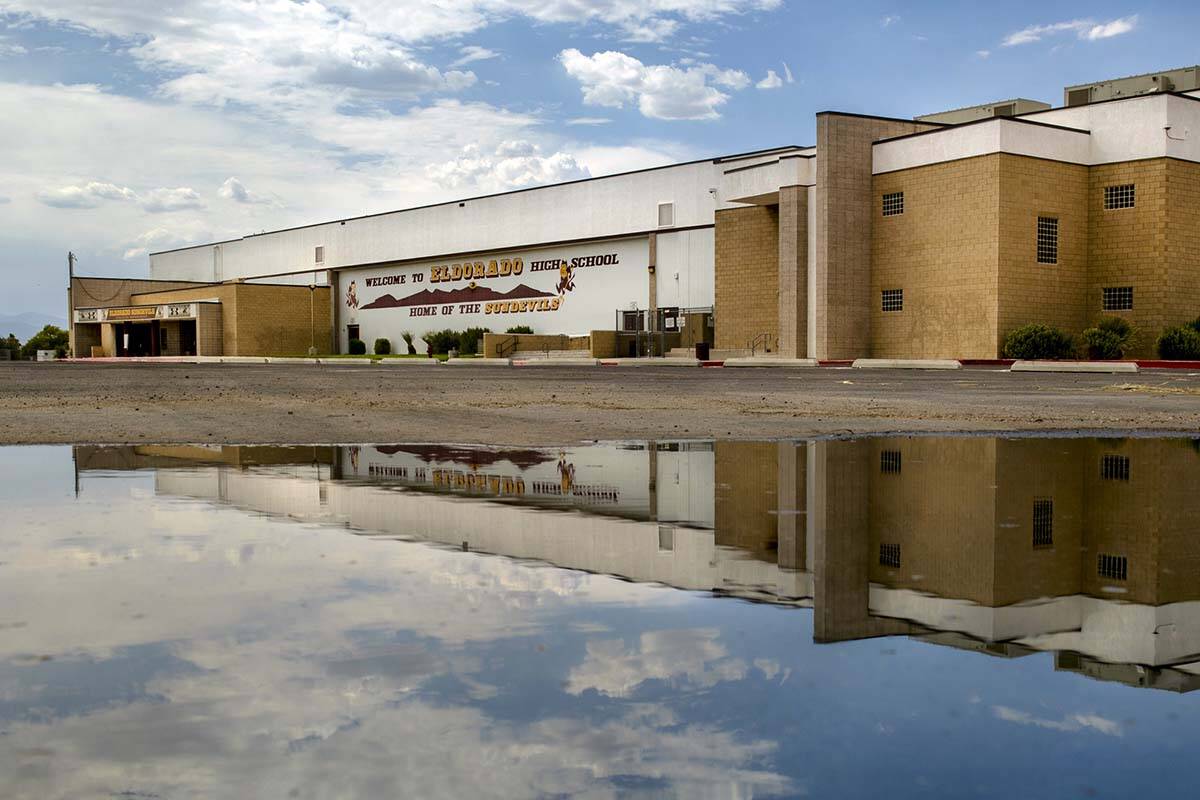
<point>762,340</point>
<point>506,347</point>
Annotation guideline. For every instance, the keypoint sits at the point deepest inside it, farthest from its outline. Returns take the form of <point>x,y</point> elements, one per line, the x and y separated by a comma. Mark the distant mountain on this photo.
<point>27,324</point>
<point>467,294</point>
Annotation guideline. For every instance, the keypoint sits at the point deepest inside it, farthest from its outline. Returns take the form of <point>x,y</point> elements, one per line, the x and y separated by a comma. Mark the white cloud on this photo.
<point>1069,723</point>
<point>89,195</point>
<point>694,657</point>
<point>233,189</point>
<point>589,121</point>
<point>889,20</point>
<point>771,81</point>
<point>163,238</point>
<point>472,53</point>
<point>614,79</point>
<point>1085,29</point>
<point>512,164</point>
<point>787,73</point>
<point>178,199</point>
<point>983,53</point>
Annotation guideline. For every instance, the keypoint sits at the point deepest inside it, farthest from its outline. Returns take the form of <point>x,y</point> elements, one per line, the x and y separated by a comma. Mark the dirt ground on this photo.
<point>118,403</point>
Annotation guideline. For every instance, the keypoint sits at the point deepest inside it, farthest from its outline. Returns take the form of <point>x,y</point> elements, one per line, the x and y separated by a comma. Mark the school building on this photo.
<point>929,237</point>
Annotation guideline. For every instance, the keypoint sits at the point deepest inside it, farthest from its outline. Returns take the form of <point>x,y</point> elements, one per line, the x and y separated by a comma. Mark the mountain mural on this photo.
<point>467,294</point>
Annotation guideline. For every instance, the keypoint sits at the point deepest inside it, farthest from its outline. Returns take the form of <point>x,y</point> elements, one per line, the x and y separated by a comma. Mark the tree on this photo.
<point>11,343</point>
<point>50,337</point>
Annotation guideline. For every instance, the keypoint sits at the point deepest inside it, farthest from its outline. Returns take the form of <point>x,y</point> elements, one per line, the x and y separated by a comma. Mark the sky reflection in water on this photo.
<point>437,621</point>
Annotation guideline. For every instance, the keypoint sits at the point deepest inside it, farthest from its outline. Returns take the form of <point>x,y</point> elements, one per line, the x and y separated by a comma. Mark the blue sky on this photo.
<point>130,129</point>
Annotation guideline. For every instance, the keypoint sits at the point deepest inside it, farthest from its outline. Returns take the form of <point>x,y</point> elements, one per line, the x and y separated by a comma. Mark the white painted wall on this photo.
<point>686,487</point>
<point>599,291</point>
<point>685,273</point>
<point>983,138</point>
<point>602,207</point>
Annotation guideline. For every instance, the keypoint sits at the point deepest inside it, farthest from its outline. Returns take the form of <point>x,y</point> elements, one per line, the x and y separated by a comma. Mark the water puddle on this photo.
<point>925,617</point>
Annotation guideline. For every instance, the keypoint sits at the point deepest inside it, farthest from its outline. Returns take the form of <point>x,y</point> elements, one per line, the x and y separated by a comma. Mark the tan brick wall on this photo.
<point>746,502</point>
<point>746,276</point>
<point>793,271</point>
<point>1029,292</point>
<point>107,293</point>
<point>1183,244</point>
<point>210,330</point>
<point>223,320</point>
<point>1128,247</point>
<point>532,342</point>
<point>845,212</point>
<point>277,320</point>
<point>942,252</point>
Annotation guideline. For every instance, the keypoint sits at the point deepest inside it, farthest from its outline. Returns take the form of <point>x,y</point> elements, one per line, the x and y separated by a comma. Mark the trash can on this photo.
<point>702,351</point>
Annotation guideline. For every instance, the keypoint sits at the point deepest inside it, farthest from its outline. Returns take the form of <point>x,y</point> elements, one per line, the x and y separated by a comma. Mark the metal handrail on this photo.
<point>764,339</point>
<point>505,347</point>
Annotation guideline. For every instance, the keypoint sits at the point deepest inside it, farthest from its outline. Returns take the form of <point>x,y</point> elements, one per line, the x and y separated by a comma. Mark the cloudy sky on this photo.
<point>131,125</point>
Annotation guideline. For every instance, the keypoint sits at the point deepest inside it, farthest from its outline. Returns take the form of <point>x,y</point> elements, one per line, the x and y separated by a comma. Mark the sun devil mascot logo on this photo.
<point>566,278</point>
<point>352,295</point>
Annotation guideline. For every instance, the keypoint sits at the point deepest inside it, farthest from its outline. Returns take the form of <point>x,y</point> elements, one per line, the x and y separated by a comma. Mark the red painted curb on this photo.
<point>1160,364</point>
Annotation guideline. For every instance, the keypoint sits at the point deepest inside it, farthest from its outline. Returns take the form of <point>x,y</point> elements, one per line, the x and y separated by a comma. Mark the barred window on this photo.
<point>1043,522</point>
<point>1114,468</point>
<point>893,299</point>
<point>1118,298</point>
<point>1047,240</point>
<point>889,555</point>
<point>1122,196</point>
<point>893,204</point>
<point>889,462</point>
<point>1113,567</point>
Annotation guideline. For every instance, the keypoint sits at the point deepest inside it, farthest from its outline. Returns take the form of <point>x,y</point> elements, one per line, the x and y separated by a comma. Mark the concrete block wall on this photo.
<point>747,276</point>
<point>279,320</point>
<point>942,252</point>
<point>1183,241</point>
<point>793,271</point>
<point>210,326</point>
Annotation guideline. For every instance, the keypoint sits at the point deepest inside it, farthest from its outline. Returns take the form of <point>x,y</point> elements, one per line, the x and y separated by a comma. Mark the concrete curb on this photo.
<point>1074,366</point>
<point>753,361</point>
<point>244,360</point>
<point>406,362</point>
<point>905,363</point>
<point>556,362</point>
<point>480,362</point>
<point>652,362</point>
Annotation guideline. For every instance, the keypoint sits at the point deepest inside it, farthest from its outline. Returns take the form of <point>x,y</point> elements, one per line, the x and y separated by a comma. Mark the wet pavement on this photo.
<point>916,616</point>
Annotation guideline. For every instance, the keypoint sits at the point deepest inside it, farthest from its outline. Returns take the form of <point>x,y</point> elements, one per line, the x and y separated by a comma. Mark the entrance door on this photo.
<point>187,338</point>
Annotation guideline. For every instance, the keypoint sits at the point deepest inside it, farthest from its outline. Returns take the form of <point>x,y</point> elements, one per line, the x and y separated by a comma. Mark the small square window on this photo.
<point>1047,240</point>
<point>893,204</point>
<point>1043,522</point>
<point>666,215</point>
<point>893,300</point>
<point>1118,298</point>
<point>1122,196</point>
<point>320,255</point>
<point>1113,567</point>
<point>1114,468</point>
<point>889,462</point>
<point>889,555</point>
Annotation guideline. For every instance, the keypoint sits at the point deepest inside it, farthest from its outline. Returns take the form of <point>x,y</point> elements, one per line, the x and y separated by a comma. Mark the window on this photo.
<point>1114,468</point>
<point>1123,196</point>
<point>320,255</point>
<point>889,462</point>
<point>893,204</point>
<point>1118,298</point>
<point>893,299</point>
<point>666,215</point>
<point>666,537</point>
<point>1114,567</point>
<point>889,555</point>
<point>1043,522</point>
<point>1047,240</point>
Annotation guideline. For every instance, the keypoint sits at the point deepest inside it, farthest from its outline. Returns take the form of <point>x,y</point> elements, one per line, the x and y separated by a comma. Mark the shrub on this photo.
<point>1194,325</point>
<point>408,340</point>
<point>358,347</point>
<point>470,339</point>
<point>383,347</point>
<point>1038,341</point>
<point>520,329</point>
<point>50,337</point>
<point>11,343</point>
<point>1109,339</point>
<point>1179,344</point>
<point>443,341</point>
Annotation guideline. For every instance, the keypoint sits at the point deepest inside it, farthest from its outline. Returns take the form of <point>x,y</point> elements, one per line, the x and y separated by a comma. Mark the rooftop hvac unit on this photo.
<point>1079,97</point>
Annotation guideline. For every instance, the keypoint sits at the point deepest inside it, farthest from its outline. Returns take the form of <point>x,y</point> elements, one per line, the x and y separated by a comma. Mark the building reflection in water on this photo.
<point>1086,548</point>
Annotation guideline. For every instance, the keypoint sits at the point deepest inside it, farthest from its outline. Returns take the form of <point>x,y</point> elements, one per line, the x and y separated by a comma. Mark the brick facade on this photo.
<point>747,277</point>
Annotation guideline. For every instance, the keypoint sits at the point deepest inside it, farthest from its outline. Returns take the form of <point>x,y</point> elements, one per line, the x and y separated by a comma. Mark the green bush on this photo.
<point>1109,339</point>
<point>383,347</point>
<point>443,341</point>
<point>470,339</point>
<point>1038,342</point>
<point>1180,344</point>
<point>1194,325</point>
<point>520,329</point>
<point>358,347</point>
<point>408,341</point>
<point>50,337</point>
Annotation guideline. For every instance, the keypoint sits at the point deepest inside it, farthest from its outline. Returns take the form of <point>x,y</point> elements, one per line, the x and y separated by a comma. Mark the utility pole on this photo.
<point>312,321</point>
<point>71,302</point>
